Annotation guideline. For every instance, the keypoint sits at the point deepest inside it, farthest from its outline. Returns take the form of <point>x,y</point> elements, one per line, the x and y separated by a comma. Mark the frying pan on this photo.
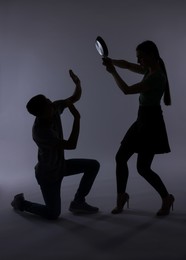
<point>101,47</point>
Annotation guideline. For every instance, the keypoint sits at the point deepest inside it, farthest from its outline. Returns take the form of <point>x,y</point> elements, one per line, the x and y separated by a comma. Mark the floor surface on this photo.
<point>135,234</point>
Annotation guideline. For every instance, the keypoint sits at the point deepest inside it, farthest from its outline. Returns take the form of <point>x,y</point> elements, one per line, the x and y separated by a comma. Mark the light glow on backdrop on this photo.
<point>41,40</point>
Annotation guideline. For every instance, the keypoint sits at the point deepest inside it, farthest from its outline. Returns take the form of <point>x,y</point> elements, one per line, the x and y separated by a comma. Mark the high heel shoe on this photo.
<point>121,200</point>
<point>167,204</point>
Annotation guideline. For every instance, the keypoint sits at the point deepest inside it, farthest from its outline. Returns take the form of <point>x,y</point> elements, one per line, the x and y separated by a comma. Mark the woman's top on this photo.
<point>157,82</point>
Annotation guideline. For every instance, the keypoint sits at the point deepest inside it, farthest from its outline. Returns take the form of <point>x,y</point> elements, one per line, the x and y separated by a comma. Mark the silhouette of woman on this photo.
<point>147,136</point>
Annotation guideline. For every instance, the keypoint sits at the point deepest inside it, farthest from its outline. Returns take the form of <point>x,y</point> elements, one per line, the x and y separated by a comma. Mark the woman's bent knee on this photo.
<point>143,171</point>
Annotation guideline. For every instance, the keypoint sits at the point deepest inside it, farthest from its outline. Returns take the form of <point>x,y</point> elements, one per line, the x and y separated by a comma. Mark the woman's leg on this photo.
<point>122,157</point>
<point>144,168</point>
<point>144,162</point>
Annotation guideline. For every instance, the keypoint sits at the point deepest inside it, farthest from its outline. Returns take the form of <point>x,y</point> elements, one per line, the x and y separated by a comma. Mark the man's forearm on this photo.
<point>73,139</point>
<point>76,95</point>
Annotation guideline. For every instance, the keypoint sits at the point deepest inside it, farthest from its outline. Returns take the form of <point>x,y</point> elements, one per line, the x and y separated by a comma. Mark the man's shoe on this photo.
<point>18,202</point>
<point>82,208</point>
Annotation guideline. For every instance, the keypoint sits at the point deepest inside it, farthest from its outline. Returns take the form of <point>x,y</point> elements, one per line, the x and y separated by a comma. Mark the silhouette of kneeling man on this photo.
<point>52,165</point>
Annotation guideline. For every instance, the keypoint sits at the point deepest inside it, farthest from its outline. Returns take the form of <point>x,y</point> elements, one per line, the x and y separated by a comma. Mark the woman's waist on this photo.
<point>149,113</point>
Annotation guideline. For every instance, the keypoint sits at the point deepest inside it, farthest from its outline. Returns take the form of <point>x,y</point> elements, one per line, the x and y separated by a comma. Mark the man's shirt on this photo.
<point>49,137</point>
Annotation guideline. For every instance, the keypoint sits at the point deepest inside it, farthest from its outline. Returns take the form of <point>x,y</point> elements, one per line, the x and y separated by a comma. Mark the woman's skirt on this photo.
<point>148,133</point>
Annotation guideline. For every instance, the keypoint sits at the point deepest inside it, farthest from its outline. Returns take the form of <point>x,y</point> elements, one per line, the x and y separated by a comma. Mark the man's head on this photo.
<point>40,106</point>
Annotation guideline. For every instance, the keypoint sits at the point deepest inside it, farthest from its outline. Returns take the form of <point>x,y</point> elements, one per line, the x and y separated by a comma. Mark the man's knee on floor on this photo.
<point>53,214</point>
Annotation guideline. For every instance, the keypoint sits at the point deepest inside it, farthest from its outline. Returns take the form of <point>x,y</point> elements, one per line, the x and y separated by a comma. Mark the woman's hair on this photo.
<point>150,48</point>
<point>36,105</point>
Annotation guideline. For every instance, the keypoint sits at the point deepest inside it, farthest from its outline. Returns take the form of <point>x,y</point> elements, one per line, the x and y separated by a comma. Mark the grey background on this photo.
<point>39,42</point>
